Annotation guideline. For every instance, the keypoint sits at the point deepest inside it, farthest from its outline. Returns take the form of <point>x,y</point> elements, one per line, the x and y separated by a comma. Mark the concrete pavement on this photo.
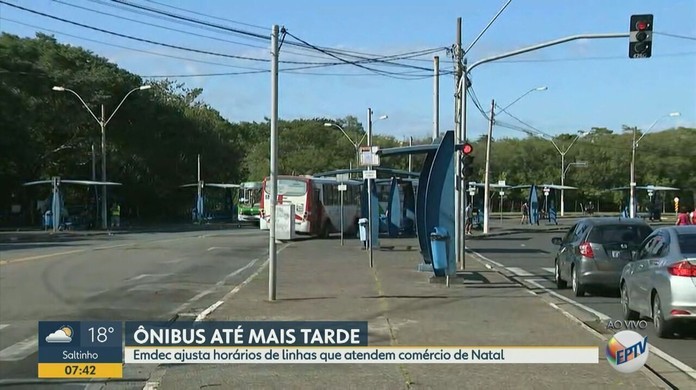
<point>158,276</point>
<point>321,280</point>
<point>529,257</point>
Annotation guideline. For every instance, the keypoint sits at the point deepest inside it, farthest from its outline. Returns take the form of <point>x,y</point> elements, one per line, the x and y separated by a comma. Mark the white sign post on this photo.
<point>342,178</point>
<point>285,222</point>
<point>502,194</point>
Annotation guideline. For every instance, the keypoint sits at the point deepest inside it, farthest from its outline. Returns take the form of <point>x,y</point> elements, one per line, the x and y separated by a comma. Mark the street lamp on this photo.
<point>356,145</point>
<point>523,95</point>
<point>563,153</point>
<point>634,146</point>
<point>102,123</point>
<point>486,187</point>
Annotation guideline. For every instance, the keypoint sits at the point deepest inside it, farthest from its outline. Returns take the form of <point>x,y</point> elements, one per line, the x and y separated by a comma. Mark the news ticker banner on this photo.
<point>98,349</point>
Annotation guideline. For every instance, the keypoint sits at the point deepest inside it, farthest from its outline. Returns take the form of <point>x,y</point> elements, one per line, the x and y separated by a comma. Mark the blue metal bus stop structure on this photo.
<point>434,213</point>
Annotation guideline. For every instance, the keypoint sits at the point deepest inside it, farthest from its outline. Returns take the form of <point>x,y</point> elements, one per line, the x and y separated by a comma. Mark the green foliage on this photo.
<point>154,138</point>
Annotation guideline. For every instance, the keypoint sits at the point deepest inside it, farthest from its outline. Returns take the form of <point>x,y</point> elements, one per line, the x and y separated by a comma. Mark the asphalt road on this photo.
<point>153,276</point>
<point>531,256</point>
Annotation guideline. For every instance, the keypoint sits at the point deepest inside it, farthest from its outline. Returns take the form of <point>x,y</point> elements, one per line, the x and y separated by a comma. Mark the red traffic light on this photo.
<point>642,25</point>
<point>467,148</point>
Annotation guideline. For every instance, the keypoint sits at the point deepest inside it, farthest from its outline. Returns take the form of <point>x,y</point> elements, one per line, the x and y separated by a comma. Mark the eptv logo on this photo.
<point>627,351</point>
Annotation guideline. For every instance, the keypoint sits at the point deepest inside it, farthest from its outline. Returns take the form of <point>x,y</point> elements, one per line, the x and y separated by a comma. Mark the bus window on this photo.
<point>288,187</point>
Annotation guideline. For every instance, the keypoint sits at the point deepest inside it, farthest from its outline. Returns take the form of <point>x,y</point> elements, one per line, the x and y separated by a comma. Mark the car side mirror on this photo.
<point>557,241</point>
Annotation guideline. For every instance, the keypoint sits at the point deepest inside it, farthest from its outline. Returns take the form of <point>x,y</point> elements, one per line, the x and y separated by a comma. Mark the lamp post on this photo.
<point>563,153</point>
<point>523,95</point>
<point>369,187</point>
<point>579,164</point>
<point>634,146</point>
<point>356,145</point>
<point>102,121</point>
<point>486,190</point>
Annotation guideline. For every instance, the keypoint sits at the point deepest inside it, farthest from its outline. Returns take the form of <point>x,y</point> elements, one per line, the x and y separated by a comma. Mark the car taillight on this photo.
<point>682,268</point>
<point>586,250</point>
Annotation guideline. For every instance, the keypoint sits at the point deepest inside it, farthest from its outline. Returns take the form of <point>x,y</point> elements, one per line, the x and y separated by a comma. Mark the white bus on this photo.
<point>317,204</point>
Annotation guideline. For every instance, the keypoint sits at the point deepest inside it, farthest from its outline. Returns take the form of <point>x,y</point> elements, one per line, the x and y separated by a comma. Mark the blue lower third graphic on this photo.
<point>86,349</point>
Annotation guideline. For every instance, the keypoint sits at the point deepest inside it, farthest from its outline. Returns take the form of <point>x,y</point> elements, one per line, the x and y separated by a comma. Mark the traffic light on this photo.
<point>467,161</point>
<point>640,41</point>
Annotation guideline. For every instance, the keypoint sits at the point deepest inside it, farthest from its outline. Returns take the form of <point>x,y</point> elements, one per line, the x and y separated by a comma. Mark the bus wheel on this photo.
<point>325,230</point>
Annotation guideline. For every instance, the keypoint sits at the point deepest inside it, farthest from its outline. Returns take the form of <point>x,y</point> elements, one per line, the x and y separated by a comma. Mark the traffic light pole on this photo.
<point>541,46</point>
<point>462,87</point>
<point>486,184</point>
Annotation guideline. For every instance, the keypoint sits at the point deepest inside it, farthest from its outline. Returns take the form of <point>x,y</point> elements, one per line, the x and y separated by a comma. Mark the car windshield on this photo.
<point>288,187</point>
<point>627,234</point>
<point>687,244</point>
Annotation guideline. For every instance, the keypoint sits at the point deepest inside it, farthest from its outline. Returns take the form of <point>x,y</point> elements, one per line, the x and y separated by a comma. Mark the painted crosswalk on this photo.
<point>519,271</point>
<point>525,273</point>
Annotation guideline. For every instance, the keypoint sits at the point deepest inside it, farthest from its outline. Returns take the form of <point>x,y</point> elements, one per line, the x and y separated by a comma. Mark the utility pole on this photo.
<point>102,123</point>
<point>410,156</point>
<point>632,202</point>
<point>199,208</point>
<point>457,70</point>
<point>436,98</point>
<point>458,209</point>
<point>486,184</point>
<point>272,254</point>
<point>95,188</point>
<point>369,189</point>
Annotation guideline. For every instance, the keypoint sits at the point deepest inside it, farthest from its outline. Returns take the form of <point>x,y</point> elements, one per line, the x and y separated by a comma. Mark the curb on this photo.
<point>665,362</point>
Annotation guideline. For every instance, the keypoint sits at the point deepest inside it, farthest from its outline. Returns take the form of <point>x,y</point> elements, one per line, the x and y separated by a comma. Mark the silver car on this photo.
<point>594,252</point>
<point>660,281</point>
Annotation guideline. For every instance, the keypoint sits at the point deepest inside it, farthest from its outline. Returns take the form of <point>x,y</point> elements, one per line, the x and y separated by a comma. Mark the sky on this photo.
<point>591,83</point>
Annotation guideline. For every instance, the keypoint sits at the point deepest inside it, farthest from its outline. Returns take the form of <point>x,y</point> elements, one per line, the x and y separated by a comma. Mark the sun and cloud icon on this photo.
<point>62,335</point>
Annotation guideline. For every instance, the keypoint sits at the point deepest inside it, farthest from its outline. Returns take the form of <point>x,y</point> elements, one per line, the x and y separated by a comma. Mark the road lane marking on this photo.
<point>205,313</point>
<point>601,316</point>
<point>212,248</point>
<point>142,276</point>
<point>550,270</point>
<point>3,326</point>
<point>519,271</point>
<point>21,259</point>
<point>212,289</point>
<point>20,350</point>
<point>48,255</point>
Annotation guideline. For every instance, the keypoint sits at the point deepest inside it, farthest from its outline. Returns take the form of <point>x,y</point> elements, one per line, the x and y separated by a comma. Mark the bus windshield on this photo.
<point>288,187</point>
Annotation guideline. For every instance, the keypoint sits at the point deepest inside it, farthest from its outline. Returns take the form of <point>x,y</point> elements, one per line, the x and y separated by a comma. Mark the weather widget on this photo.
<point>85,349</point>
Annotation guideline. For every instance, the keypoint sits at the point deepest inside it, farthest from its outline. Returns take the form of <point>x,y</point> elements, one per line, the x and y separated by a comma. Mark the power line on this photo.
<point>675,35</point>
<point>134,38</point>
<point>171,28</point>
<point>127,47</point>
<point>175,16</point>
<point>208,15</point>
<point>293,70</point>
<point>324,50</point>
<point>318,64</point>
<point>386,73</point>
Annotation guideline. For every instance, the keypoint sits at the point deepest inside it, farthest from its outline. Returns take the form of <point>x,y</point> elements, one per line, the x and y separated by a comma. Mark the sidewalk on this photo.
<point>320,280</point>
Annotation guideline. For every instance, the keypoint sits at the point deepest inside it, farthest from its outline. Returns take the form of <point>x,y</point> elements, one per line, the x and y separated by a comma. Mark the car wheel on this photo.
<point>661,325</point>
<point>578,288</point>
<point>628,314</point>
<point>560,283</point>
